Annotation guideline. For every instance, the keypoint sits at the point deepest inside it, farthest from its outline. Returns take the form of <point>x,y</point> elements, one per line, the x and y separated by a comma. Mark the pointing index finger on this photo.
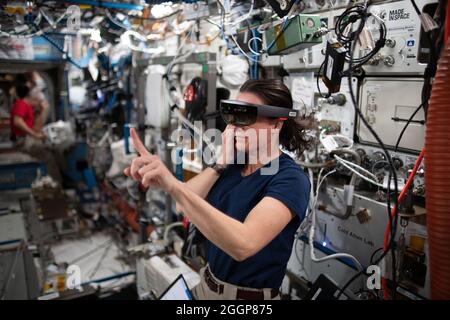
<point>137,143</point>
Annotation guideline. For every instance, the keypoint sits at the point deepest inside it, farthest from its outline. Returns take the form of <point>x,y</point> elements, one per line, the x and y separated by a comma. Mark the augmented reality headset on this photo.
<point>241,113</point>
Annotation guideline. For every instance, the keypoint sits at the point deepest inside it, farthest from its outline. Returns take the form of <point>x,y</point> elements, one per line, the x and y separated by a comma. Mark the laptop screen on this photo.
<point>178,290</point>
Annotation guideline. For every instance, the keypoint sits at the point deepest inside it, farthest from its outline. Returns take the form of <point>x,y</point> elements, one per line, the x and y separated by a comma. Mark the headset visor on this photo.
<point>241,113</point>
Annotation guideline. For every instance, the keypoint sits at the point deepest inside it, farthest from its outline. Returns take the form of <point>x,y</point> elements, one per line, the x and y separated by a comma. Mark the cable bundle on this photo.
<point>346,36</point>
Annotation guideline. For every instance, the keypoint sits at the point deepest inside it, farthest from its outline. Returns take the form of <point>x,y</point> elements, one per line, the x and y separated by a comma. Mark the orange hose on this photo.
<point>437,178</point>
<point>127,212</point>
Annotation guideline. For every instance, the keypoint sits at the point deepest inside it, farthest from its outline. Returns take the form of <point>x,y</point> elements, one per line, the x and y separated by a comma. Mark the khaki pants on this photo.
<point>203,292</point>
<point>36,148</point>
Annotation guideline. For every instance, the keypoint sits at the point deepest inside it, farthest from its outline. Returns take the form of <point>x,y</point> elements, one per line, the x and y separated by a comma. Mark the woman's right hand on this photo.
<point>227,151</point>
<point>148,169</point>
<point>143,158</point>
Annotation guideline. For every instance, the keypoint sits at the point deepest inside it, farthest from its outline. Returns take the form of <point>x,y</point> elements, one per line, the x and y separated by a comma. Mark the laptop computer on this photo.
<point>178,290</point>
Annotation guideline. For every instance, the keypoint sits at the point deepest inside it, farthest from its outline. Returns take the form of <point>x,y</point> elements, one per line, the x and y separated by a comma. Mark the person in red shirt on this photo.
<point>26,129</point>
<point>22,115</point>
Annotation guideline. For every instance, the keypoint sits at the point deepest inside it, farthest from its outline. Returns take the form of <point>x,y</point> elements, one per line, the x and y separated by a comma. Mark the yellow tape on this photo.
<point>280,40</point>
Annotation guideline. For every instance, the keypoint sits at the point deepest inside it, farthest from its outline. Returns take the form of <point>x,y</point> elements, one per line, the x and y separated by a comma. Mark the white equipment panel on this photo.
<point>400,54</point>
<point>156,97</point>
<point>385,99</point>
<point>360,238</point>
<point>350,235</point>
<point>308,101</point>
<point>343,115</point>
<point>157,273</point>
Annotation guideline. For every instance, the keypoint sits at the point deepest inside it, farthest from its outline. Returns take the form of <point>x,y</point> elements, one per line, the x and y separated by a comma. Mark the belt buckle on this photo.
<point>274,293</point>
<point>249,295</point>
<point>254,295</point>
<point>212,284</point>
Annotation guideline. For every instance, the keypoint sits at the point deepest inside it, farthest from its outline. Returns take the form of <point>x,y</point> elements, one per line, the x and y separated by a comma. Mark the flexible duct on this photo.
<point>437,179</point>
<point>127,212</point>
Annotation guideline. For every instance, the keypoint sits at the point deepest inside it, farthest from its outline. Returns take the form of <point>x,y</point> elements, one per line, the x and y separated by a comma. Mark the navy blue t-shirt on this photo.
<point>236,196</point>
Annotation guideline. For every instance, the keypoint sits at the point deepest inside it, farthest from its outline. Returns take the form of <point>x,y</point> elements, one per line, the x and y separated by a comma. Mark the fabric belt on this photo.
<point>241,294</point>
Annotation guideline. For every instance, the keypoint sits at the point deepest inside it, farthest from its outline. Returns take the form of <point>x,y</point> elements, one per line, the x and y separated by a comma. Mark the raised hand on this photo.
<point>148,169</point>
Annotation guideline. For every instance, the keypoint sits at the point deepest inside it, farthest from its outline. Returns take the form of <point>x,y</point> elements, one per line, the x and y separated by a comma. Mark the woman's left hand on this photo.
<point>152,172</point>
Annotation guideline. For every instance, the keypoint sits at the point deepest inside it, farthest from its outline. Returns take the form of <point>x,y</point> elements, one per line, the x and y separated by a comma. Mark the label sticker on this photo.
<point>410,43</point>
<point>302,90</point>
<point>329,71</point>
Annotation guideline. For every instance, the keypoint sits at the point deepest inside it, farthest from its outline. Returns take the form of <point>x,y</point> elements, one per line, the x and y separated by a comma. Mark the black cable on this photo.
<point>349,282</point>
<point>361,14</point>
<point>349,17</point>
<point>317,81</point>
<point>378,45</point>
<point>431,67</point>
<point>426,92</point>
<point>357,275</point>
<point>383,147</point>
<point>392,226</point>
<point>373,255</point>
<point>416,8</point>
<point>429,73</point>
<point>406,126</point>
<point>380,142</point>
